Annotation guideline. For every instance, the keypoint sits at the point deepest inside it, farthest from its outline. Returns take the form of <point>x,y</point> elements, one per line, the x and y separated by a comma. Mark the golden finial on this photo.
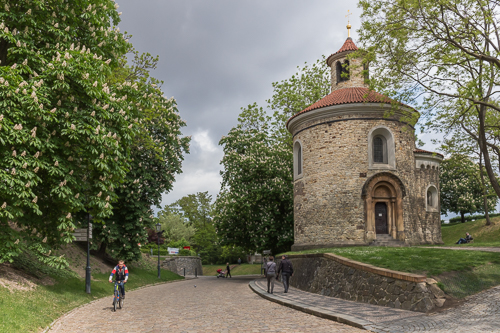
<point>348,24</point>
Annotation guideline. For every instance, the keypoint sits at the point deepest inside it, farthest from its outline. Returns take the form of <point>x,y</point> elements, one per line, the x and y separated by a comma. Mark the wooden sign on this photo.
<point>81,234</point>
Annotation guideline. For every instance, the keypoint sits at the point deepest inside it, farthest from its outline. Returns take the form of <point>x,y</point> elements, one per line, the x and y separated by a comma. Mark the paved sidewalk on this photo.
<point>481,313</point>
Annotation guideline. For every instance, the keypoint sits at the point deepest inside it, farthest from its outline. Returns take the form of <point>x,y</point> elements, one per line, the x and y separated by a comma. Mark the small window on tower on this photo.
<point>345,71</point>
<point>429,199</point>
<point>339,71</point>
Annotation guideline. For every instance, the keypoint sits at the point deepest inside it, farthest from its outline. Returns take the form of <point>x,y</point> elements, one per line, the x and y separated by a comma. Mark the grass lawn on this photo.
<point>483,235</point>
<point>243,269</point>
<point>31,311</point>
<point>460,273</point>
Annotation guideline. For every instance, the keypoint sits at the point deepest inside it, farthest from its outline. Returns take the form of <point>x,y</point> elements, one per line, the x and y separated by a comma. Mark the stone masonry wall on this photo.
<point>177,264</point>
<point>425,227</point>
<point>323,274</point>
<point>328,207</point>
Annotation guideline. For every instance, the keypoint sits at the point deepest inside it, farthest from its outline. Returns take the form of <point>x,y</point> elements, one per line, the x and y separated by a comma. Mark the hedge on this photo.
<point>472,217</point>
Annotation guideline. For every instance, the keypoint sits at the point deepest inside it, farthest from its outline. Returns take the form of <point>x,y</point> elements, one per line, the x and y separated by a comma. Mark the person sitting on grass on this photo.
<point>465,240</point>
<point>121,275</point>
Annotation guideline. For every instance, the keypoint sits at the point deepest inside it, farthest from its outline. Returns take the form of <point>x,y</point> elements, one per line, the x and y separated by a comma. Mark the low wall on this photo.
<point>331,275</point>
<point>177,264</point>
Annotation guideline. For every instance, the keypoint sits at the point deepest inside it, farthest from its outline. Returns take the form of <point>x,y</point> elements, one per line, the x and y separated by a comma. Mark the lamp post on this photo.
<point>158,232</point>
<point>87,270</point>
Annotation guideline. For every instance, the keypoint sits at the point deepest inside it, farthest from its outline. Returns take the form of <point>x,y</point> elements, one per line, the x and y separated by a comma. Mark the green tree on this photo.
<point>65,132</point>
<point>254,209</point>
<point>460,140</point>
<point>175,227</point>
<point>155,158</point>
<point>461,187</point>
<point>195,208</point>
<point>443,53</point>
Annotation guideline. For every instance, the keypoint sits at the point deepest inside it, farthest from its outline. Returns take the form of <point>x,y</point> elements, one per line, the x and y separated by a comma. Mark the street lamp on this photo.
<point>158,232</point>
<point>87,270</point>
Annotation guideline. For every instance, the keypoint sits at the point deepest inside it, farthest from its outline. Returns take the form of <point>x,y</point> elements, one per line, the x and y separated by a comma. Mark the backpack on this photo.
<point>271,267</point>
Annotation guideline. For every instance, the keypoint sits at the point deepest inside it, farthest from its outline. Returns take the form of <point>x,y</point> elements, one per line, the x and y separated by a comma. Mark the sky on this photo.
<point>218,56</point>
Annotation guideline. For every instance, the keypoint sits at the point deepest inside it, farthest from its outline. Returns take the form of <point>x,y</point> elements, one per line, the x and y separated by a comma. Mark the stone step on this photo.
<point>386,240</point>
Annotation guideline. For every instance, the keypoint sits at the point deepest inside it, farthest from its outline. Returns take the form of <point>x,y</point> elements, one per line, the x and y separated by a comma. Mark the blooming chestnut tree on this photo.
<point>155,158</point>
<point>254,208</point>
<point>66,133</point>
<point>461,188</point>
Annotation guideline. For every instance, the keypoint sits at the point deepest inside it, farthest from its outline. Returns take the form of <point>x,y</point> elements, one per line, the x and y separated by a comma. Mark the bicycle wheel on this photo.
<point>114,301</point>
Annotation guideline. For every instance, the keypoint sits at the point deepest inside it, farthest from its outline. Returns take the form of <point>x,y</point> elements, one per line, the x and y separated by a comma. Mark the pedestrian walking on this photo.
<point>228,271</point>
<point>270,274</point>
<point>239,261</point>
<point>286,270</point>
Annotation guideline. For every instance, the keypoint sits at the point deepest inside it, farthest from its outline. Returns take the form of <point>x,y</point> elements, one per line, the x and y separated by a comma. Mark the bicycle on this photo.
<point>117,299</point>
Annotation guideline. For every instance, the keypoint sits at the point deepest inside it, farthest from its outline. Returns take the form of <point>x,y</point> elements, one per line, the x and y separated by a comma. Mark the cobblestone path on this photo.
<point>481,313</point>
<point>215,305</point>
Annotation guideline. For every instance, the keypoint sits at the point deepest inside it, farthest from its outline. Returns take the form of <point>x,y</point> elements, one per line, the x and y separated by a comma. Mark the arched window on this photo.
<point>379,149</point>
<point>297,159</point>
<point>345,70</point>
<point>339,71</point>
<point>342,71</point>
<point>432,202</point>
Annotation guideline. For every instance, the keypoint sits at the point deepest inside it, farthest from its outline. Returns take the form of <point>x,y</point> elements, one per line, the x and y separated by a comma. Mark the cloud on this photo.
<point>220,55</point>
<point>201,169</point>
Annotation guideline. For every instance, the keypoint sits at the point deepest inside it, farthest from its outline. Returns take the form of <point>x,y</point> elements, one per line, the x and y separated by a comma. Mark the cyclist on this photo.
<point>121,272</point>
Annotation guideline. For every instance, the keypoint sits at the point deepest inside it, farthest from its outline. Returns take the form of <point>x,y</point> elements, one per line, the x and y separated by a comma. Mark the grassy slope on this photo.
<point>483,235</point>
<point>461,273</point>
<point>243,269</point>
<point>34,310</point>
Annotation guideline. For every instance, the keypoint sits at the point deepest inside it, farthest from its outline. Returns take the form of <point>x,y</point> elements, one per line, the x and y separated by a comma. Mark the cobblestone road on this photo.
<point>215,305</point>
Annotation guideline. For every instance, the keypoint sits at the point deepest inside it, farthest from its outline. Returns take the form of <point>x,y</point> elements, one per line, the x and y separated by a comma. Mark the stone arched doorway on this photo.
<point>383,197</point>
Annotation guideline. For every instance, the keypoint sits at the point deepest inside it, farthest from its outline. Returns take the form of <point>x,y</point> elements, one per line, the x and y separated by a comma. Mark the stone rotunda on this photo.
<point>358,177</point>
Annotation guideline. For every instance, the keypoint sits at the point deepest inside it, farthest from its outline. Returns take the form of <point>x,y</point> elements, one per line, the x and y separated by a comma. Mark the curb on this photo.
<point>319,312</point>
<point>48,328</point>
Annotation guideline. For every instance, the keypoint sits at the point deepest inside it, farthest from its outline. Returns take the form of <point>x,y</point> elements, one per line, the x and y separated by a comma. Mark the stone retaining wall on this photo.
<point>177,264</point>
<point>336,276</point>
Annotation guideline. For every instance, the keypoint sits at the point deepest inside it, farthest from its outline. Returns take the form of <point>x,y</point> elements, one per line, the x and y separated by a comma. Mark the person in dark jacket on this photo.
<point>465,240</point>
<point>270,273</point>
<point>228,271</point>
<point>286,270</point>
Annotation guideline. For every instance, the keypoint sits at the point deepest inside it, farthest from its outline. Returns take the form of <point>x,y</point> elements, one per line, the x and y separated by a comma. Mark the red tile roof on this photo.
<point>421,151</point>
<point>347,96</point>
<point>348,46</point>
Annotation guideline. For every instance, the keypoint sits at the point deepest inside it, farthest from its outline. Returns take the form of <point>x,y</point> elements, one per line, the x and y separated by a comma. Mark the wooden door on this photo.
<point>381,218</point>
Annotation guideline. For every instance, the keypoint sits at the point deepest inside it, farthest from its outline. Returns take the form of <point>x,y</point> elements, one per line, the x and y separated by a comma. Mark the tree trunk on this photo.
<point>4,48</point>
<point>462,216</point>
<point>485,200</point>
<point>101,253</point>
<point>484,151</point>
